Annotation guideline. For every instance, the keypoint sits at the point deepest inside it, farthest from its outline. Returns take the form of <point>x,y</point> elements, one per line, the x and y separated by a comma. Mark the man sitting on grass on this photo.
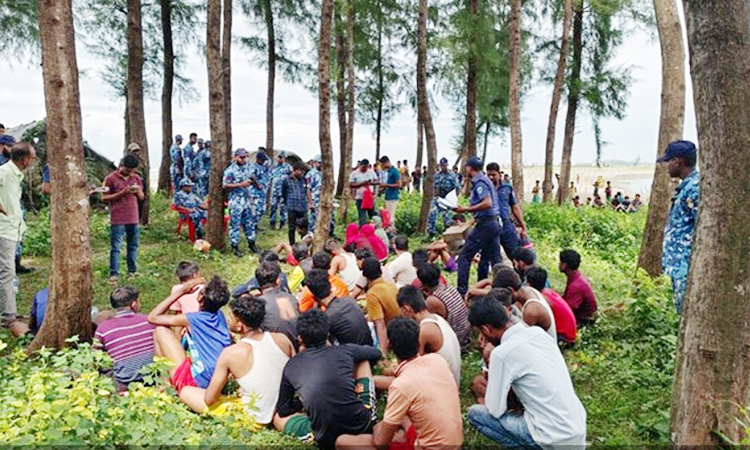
<point>252,287</point>
<point>256,362</point>
<point>445,301</point>
<point>565,320</point>
<point>343,264</point>
<point>127,337</point>
<point>319,381</point>
<point>186,271</point>
<point>423,400</point>
<point>401,269</point>
<point>280,314</point>
<point>382,305</point>
<point>578,292</point>
<point>303,264</point>
<point>530,401</point>
<point>535,308</point>
<point>348,323</point>
<point>207,333</point>
<point>305,299</point>
<point>361,286</point>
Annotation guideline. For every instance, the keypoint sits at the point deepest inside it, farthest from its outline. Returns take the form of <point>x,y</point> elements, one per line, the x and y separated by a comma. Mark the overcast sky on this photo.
<point>296,113</point>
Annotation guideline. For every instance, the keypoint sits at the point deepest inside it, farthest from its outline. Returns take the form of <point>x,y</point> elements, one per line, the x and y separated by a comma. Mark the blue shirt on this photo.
<point>236,174</point>
<point>200,165</point>
<point>678,233</point>
<point>186,200</point>
<point>209,334</point>
<point>481,188</point>
<point>506,198</point>
<point>45,174</point>
<point>278,173</point>
<point>445,182</point>
<point>261,173</point>
<point>294,192</point>
<point>393,177</point>
<point>314,180</point>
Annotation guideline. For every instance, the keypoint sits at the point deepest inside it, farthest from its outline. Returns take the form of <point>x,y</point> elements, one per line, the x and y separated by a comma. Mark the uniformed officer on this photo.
<point>201,169</point>
<point>188,152</point>
<point>237,181</point>
<point>314,179</point>
<point>445,182</point>
<point>187,199</point>
<point>279,171</point>
<point>176,165</point>
<point>484,237</point>
<point>260,172</point>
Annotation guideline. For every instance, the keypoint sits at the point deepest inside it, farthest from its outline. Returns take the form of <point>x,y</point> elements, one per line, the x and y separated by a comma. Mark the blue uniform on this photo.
<point>239,202</point>
<point>192,203</point>
<point>200,168</point>
<point>278,173</point>
<point>176,165</point>
<point>188,153</point>
<point>484,237</point>
<point>678,235</point>
<point>314,180</point>
<point>257,195</point>
<point>509,238</point>
<point>444,184</point>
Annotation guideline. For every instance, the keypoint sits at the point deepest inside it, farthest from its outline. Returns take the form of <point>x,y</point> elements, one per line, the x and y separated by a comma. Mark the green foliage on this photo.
<point>19,29</point>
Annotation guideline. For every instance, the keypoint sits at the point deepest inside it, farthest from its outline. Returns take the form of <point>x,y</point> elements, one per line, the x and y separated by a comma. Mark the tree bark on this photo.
<point>344,168</point>
<point>381,84</point>
<point>516,155</point>
<point>670,129</point>
<point>271,74</point>
<point>470,124</point>
<point>350,77</point>
<point>323,225</point>
<point>136,115</point>
<point>420,141</point>
<point>713,363</point>
<point>549,159</point>
<point>71,291</point>
<point>226,67</point>
<point>218,124</point>
<point>165,180</point>
<point>574,92</point>
<point>487,126</point>
<point>424,107</point>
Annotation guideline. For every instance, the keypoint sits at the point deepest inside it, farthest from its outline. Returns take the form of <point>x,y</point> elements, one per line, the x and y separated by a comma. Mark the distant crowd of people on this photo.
<point>618,202</point>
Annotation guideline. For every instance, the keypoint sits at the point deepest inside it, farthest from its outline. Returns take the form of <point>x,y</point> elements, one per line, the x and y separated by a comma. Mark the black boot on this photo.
<point>251,246</point>
<point>236,250</point>
<point>21,269</point>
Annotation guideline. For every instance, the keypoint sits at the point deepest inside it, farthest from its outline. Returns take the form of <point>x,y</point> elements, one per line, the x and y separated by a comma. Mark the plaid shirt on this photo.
<point>294,192</point>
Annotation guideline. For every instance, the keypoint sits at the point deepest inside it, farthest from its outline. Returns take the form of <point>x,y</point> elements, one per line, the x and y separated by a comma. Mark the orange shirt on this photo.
<point>306,300</point>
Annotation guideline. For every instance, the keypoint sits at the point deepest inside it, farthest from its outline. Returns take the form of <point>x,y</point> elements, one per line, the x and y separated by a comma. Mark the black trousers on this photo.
<point>294,216</point>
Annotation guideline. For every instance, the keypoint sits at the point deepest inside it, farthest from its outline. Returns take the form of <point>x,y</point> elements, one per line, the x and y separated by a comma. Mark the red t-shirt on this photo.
<point>124,210</point>
<point>565,321</point>
<point>580,297</point>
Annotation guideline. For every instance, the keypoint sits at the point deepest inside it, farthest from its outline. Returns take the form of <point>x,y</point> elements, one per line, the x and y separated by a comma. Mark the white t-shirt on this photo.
<point>360,177</point>
<point>402,271</point>
<point>529,361</point>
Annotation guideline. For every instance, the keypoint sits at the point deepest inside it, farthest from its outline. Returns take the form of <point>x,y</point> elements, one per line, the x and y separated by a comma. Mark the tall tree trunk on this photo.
<point>549,155</point>
<point>516,155</point>
<point>271,74</point>
<point>712,373</point>
<point>323,226</point>
<point>487,126</point>
<point>165,180</point>
<point>350,77</point>
<point>424,107</point>
<point>344,167</point>
<point>381,85</point>
<point>136,115</point>
<point>470,124</point>
<point>226,67</point>
<point>71,291</point>
<point>574,90</point>
<point>420,141</point>
<point>218,124</point>
<point>670,129</point>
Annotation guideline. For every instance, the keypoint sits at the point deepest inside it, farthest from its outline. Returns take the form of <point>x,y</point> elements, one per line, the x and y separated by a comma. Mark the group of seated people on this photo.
<point>310,360</point>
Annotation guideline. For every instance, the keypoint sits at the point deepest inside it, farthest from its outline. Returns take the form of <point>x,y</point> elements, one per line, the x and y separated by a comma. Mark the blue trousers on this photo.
<point>510,430</point>
<point>239,217</point>
<point>116,235</point>
<point>483,238</point>
<point>277,204</point>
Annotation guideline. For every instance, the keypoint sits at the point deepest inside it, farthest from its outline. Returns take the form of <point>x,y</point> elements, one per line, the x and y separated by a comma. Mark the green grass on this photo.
<point>622,368</point>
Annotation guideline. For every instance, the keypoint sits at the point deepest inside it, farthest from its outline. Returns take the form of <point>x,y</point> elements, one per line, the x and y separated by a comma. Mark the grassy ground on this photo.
<point>622,369</point>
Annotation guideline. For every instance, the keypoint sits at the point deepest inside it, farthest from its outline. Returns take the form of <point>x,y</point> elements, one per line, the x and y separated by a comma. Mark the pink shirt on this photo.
<point>124,210</point>
<point>188,303</point>
<point>565,321</point>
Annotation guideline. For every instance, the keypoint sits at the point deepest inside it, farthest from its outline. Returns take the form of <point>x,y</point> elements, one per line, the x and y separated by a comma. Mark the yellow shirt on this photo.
<point>12,225</point>
<point>381,301</point>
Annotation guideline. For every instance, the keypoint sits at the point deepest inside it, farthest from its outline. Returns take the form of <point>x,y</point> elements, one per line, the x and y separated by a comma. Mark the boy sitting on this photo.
<point>188,303</point>
<point>321,260</point>
<point>127,337</point>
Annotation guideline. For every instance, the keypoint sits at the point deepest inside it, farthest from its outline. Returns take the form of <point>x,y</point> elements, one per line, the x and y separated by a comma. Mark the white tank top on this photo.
<point>351,273</point>
<point>552,331</point>
<point>451,349</point>
<point>260,386</point>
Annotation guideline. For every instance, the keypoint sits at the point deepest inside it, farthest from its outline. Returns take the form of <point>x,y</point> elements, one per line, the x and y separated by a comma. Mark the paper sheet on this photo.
<point>449,202</point>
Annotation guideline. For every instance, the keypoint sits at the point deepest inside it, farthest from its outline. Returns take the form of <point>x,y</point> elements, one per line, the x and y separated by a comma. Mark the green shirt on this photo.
<point>12,225</point>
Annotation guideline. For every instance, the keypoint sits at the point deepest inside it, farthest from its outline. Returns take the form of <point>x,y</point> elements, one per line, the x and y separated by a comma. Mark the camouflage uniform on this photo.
<point>278,173</point>
<point>444,184</point>
<point>257,195</point>
<point>192,203</point>
<point>239,202</point>
<point>176,166</point>
<point>200,171</point>
<point>314,180</point>
<point>188,153</point>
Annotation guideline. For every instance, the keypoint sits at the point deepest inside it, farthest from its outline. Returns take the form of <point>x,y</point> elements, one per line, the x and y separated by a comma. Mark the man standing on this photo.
<point>281,170</point>
<point>507,204</point>
<point>176,166</point>
<point>361,179</point>
<point>445,182</point>
<point>259,174</point>
<point>530,401</point>
<point>296,196</point>
<point>188,152</point>
<point>201,169</point>
<point>12,224</point>
<point>681,158</point>
<point>392,186</point>
<point>237,181</point>
<point>314,179</point>
<point>484,206</point>
<point>125,191</point>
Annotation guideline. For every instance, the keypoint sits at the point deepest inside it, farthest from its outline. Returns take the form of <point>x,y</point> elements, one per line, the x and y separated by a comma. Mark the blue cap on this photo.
<point>200,141</point>
<point>261,156</point>
<point>281,154</point>
<point>208,143</point>
<point>677,149</point>
<point>240,152</point>
<point>178,137</point>
<point>475,163</point>
<point>186,182</point>
<point>7,139</point>
<point>443,161</point>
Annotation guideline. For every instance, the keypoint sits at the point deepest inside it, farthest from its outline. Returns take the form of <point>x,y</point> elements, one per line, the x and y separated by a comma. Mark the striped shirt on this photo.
<point>128,338</point>
<point>458,313</point>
